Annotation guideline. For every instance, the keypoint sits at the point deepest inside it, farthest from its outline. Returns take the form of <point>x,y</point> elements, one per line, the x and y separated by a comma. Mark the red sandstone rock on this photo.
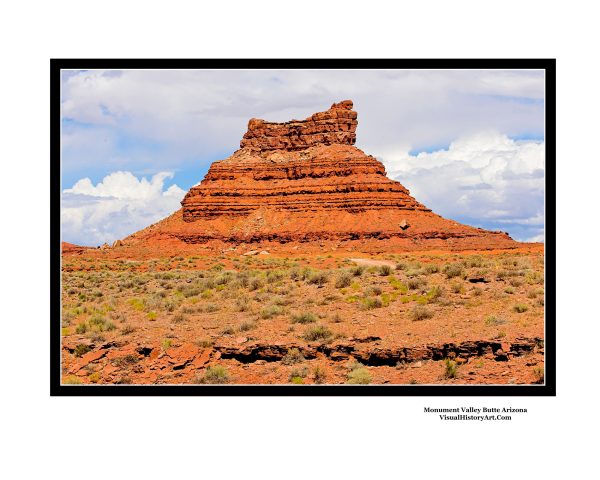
<point>305,182</point>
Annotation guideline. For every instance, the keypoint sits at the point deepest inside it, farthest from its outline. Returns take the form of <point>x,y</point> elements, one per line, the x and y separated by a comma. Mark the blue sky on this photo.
<point>469,144</point>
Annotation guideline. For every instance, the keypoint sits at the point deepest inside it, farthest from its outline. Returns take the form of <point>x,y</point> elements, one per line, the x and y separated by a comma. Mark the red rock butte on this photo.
<point>303,184</point>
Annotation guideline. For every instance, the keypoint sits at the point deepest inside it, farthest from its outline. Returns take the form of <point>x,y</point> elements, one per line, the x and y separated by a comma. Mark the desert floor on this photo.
<point>418,318</point>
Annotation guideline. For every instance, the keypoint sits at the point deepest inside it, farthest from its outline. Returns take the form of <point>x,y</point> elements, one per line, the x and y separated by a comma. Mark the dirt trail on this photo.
<point>373,263</point>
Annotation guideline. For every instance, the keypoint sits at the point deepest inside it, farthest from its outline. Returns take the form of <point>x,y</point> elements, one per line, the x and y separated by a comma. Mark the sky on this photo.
<point>469,144</point>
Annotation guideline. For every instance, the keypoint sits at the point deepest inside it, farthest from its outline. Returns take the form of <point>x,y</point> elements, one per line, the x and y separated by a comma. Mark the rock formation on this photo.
<point>304,182</point>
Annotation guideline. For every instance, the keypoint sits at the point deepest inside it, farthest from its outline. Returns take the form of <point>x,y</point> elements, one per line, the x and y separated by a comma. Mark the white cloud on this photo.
<point>485,179</point>
<point>115,207</point>
<point>201,114</point>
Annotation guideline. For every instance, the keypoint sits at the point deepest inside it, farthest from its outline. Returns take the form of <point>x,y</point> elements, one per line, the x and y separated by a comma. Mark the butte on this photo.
<point>300,186</point>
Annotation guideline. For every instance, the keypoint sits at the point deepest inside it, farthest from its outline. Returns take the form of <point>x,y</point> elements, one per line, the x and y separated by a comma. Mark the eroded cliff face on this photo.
<point>303,183</point>
<point>336,126</point>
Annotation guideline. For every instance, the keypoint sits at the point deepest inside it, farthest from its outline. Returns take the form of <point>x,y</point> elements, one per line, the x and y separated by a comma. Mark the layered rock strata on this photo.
<point>305,181</point>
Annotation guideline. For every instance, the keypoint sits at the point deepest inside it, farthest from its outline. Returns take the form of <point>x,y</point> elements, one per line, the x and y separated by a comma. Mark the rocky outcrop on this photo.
<point>305,182</point>
<point>336,126</point>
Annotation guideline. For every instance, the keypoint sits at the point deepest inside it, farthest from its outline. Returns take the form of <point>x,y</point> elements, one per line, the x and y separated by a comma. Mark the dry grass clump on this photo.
<point>493,320</point>
<point>450,368</point>
<point>318,278</point>
<point>420,312</point>
<point>304,318</point>
<point>292,357</point>
<point>343,280</point>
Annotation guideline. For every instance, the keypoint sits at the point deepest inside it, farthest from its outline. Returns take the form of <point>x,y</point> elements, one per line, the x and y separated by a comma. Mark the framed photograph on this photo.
<point>303,227</point>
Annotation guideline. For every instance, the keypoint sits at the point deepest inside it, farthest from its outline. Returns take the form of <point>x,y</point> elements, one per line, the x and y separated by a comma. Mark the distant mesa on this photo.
<point>303,184</point>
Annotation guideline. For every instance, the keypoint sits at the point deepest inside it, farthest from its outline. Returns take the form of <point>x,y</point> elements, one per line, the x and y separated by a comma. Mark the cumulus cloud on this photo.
<point>115,207</point>
<point>201,114</point>
<point>485,179</point>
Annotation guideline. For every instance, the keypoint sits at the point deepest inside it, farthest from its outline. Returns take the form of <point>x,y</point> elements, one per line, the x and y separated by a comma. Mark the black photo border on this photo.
<point>546,389</point>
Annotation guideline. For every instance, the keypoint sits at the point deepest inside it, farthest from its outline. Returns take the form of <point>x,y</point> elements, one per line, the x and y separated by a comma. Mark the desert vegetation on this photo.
<point>204,305</point>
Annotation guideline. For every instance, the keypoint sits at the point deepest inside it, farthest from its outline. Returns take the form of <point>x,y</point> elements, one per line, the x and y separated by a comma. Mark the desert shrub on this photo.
<point>452,270</point>
<point>72,380</point>
<point>224,278</point>
<point>420,312</point>
<point>137,304</point>
<point>385,270</point>
<point>357,271</point>
<point>81,349</point>
<point>343,280</point>
<point>358,375</point>
<point>297,375</point>
<point>228,331</point>
<point>450,368</point>
<point>210,308</point>
<point>538,373</point>
<point>516,282</point>
<point>509,290</point>
<point>401,266</point>
<point>246,326</point>
<point>371,303</point>
<point>494,320</point>
<point>435,293</point>
<point>94,377</point>
<point>204,343</point>
<point>216,374</point>
<point>255,283</point>
<point>318,278</point>
<point>271,311</point>
<point>415,283</point>
<point>476,291</point>
<point>81,328</point>
<point>430,268</point>
<point>179,318</point>
<point>304,317</point>
<point>127,329</point>
<point>534,278</point>
<point>281,301</point>
<point>152,315</point>
<point>274,276</point>
<point>474,261</point>
<point>242,304</point>
<point>520,308</point>
<point>457,287</point>
<point>318,332</point>
<point>166,343</point>
<point>292,357</point>
<point>373,290</point>
<point>319,375</point>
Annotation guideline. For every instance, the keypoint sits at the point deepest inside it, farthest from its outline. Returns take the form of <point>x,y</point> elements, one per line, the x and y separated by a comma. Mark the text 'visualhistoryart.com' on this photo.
<point>302,227</point>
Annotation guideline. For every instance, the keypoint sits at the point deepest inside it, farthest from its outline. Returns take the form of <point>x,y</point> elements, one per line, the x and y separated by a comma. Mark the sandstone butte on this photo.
<point>302,185</point>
